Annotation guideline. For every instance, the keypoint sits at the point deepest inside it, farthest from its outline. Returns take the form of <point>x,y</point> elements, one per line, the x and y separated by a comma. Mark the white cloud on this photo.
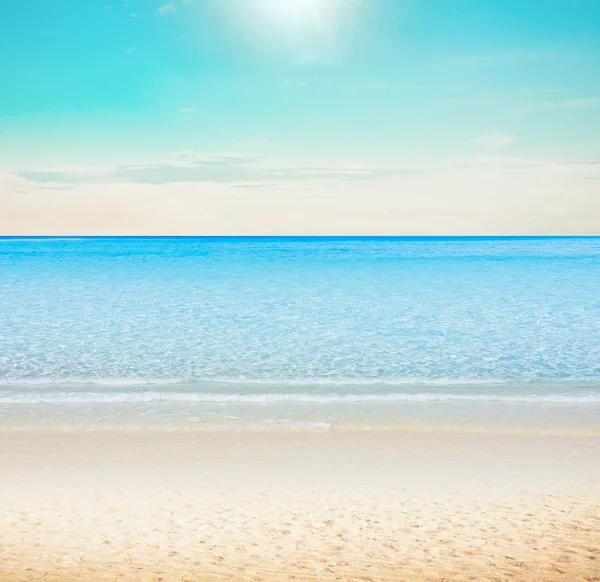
<point>307,60</point>
<point>586,103</point>
<point>188,110</point>
<point>495,196</point>
<point>166,9</point>
<point>299,84</point>
<point>195,167</point>
<point>235,168</point>
<point>579,103</point>
<point>200,158</point>
<point>130,49</point>
<point>494,140</point>
<point>371,86</point>
<point>171,7</point>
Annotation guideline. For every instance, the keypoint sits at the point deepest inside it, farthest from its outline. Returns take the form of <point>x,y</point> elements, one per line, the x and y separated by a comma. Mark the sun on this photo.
<point>301,27</point>
<point>294,11</point>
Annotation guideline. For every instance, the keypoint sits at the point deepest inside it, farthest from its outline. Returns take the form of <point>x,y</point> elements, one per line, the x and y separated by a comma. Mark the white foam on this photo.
<point>91,381</point>
<point>283,382</point>
<point>281,398</point>
<point>356,381</point>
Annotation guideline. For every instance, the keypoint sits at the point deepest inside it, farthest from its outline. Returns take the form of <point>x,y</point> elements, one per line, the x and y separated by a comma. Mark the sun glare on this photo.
<point>298,26</point>
<point>294,12</point>
<point>295,7</point>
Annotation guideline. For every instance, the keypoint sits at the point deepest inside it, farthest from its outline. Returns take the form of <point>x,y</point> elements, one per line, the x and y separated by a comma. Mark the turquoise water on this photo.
<point>195,333</point>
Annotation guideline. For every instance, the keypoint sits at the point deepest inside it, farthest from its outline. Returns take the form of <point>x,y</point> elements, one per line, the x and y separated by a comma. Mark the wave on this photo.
<point>280,398</point>
<point>91,381</point>
<point>356,381</point>
<point>304,382</point>
<point>207,381</point>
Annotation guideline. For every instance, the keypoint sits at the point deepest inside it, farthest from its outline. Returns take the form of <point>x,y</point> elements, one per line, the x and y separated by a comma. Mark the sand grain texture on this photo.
<point>184,508</point>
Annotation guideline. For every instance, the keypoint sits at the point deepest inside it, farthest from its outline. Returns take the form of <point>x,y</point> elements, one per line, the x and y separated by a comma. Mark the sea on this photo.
<point>413,334</point>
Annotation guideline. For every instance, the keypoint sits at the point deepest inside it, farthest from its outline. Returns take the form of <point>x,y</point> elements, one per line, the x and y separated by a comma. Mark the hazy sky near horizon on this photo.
<point>300,117</point>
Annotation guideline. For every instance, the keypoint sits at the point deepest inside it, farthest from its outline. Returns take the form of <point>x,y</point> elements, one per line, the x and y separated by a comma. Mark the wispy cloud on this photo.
<point>171,7</point>
<point>195,167</point>
<point>507,56</point>
<point>166,9</point>
<point>494,140</point>
<point>370,86</point>
<point>188,157</point>
<point>506,195</point>
<point>307,60</point>
<point>247,169</point>
<point>300,84</point>
<point>586,103</point>
<point>579,103</point>
<point>188,110</point>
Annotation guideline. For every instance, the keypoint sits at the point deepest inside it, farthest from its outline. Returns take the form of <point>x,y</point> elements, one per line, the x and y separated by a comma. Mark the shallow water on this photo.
<point>201,333</point>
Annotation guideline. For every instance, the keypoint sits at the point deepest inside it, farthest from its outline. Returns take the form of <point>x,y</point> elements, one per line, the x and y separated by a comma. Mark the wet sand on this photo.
<point>285,506</point>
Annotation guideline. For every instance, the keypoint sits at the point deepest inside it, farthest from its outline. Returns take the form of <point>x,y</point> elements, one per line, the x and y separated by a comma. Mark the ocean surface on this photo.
<point>457,334</point>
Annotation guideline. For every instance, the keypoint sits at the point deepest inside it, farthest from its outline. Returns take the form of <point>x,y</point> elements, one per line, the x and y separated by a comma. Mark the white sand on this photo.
<point>361,506</point>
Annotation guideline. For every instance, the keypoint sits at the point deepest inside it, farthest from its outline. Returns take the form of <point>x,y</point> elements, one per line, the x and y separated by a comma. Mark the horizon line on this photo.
<point>297,236</point>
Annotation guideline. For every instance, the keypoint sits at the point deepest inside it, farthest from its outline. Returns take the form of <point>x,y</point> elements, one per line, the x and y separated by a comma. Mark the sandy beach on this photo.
<point>285,506</point>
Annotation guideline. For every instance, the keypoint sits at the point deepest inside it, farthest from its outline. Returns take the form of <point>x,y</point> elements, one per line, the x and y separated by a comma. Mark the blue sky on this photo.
<point>302,97</point>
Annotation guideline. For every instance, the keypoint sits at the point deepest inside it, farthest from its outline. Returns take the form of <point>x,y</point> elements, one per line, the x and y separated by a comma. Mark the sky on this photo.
<point>299,117</point>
